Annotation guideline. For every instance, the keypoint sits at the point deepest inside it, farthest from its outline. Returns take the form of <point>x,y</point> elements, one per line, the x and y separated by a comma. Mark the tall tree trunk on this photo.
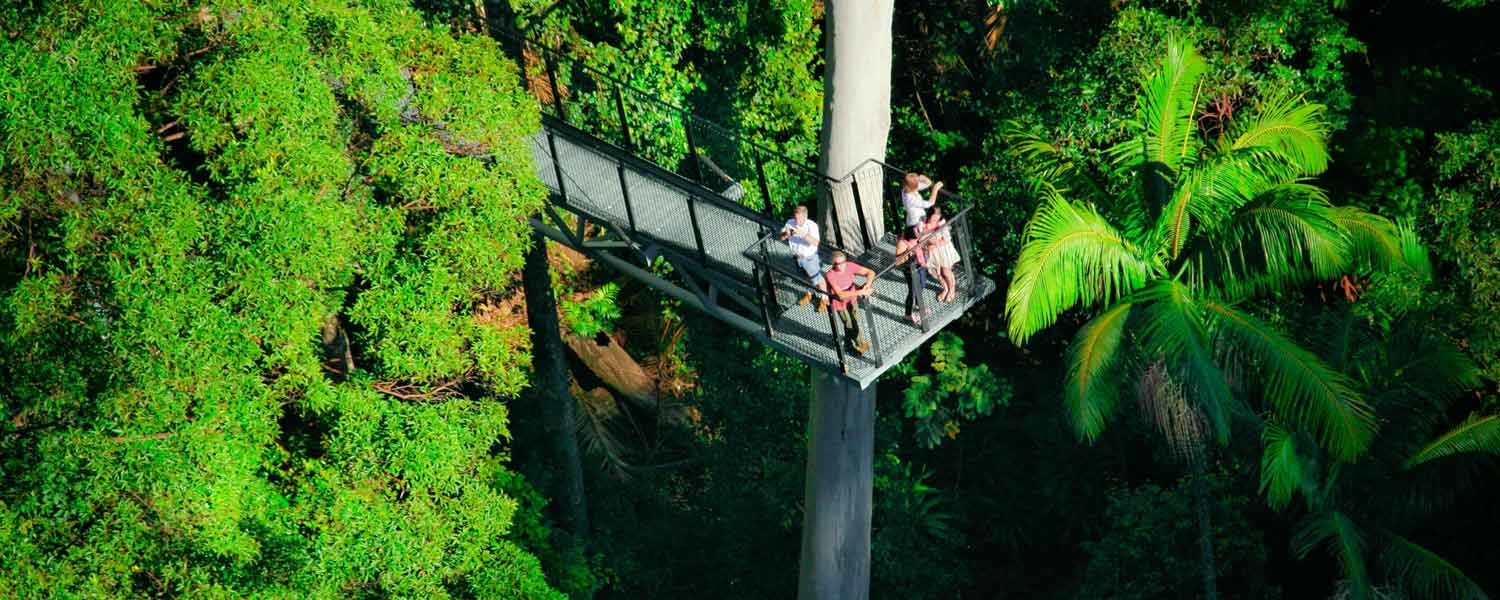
<point>836,512</point>
<point>559,409</point>
<point>841,425</point>
<point>856,109</point>
<point>1206,563</point>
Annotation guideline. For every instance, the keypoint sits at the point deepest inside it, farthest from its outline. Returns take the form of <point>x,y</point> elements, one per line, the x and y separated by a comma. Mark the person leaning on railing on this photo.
<point>840,278</point>
<point>941,255</point>
<point>912,255</point>
<point>801,233</point>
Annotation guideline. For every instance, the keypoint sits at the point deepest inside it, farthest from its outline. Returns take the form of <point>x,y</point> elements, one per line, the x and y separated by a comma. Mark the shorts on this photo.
<point>812,267</point>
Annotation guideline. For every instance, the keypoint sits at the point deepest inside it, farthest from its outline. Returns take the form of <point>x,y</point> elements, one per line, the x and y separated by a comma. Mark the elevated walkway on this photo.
<point>628,211</point>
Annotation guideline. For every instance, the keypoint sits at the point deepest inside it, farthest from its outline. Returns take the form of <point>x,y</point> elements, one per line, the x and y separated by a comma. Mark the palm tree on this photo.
<point>1204,223</point>
<point>1356,510</point>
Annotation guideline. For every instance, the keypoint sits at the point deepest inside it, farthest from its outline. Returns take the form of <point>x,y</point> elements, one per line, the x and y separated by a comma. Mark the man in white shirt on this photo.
<point>911,197</point>
<point>801,233</point>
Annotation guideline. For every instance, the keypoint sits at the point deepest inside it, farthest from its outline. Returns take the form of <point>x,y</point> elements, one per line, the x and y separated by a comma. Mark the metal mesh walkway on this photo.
<point>614,205</point>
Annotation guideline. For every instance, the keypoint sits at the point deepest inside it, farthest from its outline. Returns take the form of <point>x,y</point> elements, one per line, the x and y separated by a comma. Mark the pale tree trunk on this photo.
<point>841,419</point>
<point>836,512</point>
<point>856,109</point>
<point>558,408</point>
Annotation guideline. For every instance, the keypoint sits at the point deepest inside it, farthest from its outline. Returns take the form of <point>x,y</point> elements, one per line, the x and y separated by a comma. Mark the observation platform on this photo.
<point>691,207</point>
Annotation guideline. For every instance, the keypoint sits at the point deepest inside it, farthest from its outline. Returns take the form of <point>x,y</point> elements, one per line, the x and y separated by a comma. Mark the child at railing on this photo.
<point>941,255</point>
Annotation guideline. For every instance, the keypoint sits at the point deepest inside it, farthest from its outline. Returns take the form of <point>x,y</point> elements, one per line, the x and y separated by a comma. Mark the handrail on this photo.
<point>962,213</point>
<point>517,36</point>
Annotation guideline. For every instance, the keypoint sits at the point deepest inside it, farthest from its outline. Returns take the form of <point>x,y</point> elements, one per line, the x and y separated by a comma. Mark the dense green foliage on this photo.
<point>260,333</point>
<point>244,252</point>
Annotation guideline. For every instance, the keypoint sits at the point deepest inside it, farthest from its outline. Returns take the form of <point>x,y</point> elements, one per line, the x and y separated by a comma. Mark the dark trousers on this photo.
<point>916,282</point>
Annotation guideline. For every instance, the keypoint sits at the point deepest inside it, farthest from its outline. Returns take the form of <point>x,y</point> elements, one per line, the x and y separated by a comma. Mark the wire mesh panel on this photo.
<point>713,202</point>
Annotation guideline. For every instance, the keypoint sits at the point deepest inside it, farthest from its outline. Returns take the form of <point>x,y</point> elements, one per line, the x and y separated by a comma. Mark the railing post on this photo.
<point>624,121</point>
<point>765,258</point>
<point>833,206</point>
<point>697,231</point>
<point>625,194</point>
<point>761,274</point>
<point>562,186</point>
<point>869,308</point>
<point>765,188</point>
<point>687,131</point>
<point>963,256</point>
<point>859,207</point>
<point>557,103</point>
<point>833,326</point>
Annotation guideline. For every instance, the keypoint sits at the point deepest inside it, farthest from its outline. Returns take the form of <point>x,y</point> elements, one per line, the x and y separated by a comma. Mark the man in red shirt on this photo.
<point>840,280</point>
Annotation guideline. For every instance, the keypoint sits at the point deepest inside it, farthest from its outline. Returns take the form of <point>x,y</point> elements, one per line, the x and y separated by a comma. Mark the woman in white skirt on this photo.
<point>941,255</point>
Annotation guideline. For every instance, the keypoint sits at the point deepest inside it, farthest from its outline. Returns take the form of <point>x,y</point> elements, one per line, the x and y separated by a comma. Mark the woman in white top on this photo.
<point>911,197</point>
<point>941,255</point>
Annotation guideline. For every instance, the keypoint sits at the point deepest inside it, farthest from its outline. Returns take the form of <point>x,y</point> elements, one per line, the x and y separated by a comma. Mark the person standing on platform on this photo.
<point>840,278</point>
<point>911,253</point>
<point>801,233</point>
<point>911,197</point>
<point>941,255</point>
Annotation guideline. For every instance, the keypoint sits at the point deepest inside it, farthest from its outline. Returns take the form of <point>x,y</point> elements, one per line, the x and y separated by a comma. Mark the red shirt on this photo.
<point>840,281</point>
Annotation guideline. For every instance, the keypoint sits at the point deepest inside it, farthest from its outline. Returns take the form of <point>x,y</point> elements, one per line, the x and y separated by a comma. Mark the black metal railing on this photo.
<point>778,275</point>
<point>724,179</point>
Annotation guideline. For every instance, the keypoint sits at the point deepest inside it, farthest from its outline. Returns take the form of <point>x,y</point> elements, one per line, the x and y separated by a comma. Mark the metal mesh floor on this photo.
<point>592,176</point>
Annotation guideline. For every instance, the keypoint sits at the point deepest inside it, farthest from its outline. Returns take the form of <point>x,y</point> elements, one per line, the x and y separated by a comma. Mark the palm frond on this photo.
<point>1172,329</point>
<point>1284,238</point>
<point>1283,472</point>
<point>1302,388</point>
<point>1045,168</point>
<point>1344,541</point>
<point>1166,404</point>
<point>1294,129</point>
<point>1377,243</point>
<point>1166,105</point>
<point>1475,435</point>
<point>1088,395</point>
<point>1071,256</point>
<point>1423,573</point>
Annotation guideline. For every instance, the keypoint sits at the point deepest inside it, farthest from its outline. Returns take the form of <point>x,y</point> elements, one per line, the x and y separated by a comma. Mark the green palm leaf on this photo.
<point>1295,130</point>
<point>1344,540</point>
<point>1475,435</point>
<point>1088,394</point>
<point>1283,472</point>
<point>1285,237</point>
<point>1071,256</point>
<point>1166,105</point>
<point>1377,243</point>
<point>1047,171</point>
<point>1172,328</point>
<point>1424,574</point>
<point>1303,389</point>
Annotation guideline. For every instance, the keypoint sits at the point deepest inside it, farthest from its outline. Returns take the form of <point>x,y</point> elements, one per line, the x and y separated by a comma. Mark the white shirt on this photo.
<point>916,207</point>
<point>804,238</point>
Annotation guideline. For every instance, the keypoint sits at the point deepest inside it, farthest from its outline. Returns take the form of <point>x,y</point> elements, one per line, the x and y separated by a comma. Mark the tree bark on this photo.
<point>1206,562</point>
<point>856,111</point>
<point>559,409</point>
<point>835,561</point>
<point>615,367</point>
<point>838,495</point>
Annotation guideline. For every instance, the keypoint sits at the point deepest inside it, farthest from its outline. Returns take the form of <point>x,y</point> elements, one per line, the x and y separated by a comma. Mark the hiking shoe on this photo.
<point>861,346</point>
<point>806,298</point>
